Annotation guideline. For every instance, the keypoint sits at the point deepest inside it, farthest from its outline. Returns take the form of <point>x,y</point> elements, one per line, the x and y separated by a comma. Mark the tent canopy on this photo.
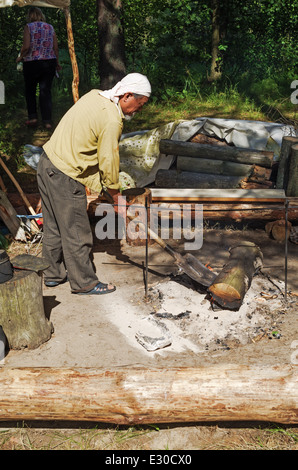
<point>38,3</point>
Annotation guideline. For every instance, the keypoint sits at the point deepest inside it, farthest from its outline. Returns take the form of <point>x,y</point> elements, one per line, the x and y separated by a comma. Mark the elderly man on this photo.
<point>83,152</point>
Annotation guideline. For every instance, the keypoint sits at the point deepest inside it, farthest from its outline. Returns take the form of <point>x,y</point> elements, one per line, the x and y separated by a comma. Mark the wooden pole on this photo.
<point>2,185</point>
<point>226,392</point>
<point>22,194</point>
<point>9,217</point>
<point>71,48</point>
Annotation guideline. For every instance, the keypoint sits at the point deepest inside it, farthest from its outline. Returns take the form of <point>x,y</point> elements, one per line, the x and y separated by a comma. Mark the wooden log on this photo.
<point>207,139</point>
<point>127,396</point>
<point>229,211</point>
<point>187,179</point>
<point>213,152</point>
<point>292,188</point>
<point>251,184</point>
<point>234,280</point>
<point>22,315</point>
<point>9,217</point>
<point>277,229</point>
<point>283,165</point>
<point>217,167</point>
<point>260,173</point>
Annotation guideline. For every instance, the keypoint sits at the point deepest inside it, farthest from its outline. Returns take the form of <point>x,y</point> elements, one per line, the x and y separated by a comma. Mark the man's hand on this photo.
<point>119,201</point>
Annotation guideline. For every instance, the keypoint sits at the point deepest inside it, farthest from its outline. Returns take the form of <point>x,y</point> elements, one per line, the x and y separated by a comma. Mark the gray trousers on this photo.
<point>67,239</point>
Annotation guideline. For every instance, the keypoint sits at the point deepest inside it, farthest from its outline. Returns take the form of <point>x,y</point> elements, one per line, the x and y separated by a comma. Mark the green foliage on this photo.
<point>170,41</point>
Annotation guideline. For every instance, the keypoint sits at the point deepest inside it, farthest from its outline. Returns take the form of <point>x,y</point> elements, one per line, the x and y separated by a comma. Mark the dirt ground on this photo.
<point>105,331</point>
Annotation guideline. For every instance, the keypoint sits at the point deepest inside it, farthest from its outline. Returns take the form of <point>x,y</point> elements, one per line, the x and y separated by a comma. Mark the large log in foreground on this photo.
<point>213,152</point>
<point>232,283</point>
<point>140,396</point>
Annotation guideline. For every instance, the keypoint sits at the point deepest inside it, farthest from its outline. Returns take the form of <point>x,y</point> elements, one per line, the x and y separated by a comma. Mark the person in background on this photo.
<point>40,58</point>
<point>83,152</point>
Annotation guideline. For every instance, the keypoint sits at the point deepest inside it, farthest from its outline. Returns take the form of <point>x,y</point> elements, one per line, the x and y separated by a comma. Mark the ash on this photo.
<point>194,322</point>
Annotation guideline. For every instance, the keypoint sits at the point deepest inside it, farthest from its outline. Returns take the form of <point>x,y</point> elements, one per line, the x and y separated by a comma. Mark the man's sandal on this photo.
<point>99,289</point>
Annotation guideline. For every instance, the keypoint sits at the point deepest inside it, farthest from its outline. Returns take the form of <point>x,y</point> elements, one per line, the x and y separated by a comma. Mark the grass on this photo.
<point>215,437</point>
<point>228,104</point>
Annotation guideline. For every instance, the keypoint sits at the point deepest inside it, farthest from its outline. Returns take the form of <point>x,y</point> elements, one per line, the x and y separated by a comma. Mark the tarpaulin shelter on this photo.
<point>65,6</point>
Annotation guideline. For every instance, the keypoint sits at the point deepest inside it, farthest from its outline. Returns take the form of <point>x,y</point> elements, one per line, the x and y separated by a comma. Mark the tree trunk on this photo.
<point>215,72</point>
<point>72,54</point>
<point>111,43</point>
<point>292,188</point>
<point>232,283</point>
<point>22,314</point>
<point>127,396</point>
<point>283,166</point>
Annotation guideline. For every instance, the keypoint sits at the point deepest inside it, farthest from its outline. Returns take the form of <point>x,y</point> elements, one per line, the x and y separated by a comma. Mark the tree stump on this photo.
<point>232,283</point>
<point>22,315</point>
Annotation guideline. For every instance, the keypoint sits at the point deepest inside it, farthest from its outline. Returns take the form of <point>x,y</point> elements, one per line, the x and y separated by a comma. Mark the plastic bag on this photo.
<point>32,155</point>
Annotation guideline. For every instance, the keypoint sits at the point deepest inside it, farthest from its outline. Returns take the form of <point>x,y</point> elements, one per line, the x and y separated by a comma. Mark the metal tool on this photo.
<point>187,263</point>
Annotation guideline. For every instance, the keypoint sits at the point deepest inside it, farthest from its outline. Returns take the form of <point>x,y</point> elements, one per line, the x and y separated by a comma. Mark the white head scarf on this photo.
<point>131,83</point>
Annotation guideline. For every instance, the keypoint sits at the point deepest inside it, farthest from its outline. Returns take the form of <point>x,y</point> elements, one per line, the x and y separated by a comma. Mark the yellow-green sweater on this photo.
<point>85,144</point>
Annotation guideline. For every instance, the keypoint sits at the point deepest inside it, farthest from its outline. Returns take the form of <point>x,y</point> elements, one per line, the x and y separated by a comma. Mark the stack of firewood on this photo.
<point>208,162</point>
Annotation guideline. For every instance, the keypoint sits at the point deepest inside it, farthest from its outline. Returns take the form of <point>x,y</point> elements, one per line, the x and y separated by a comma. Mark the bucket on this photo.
<point>6,271</point>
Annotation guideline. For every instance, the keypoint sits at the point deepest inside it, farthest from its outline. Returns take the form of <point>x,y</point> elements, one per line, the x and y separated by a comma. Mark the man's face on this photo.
<point>131,105</point>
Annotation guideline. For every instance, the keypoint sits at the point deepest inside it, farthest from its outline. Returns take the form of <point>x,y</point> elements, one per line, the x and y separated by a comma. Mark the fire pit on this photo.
<point>201,325</point>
